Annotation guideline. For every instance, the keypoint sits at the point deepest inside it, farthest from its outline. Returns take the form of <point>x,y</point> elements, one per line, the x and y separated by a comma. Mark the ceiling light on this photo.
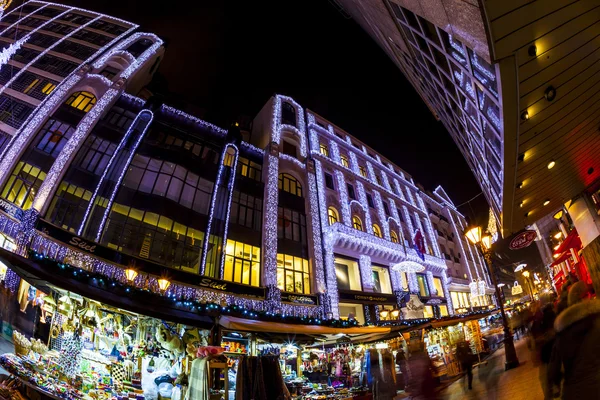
<point>532,50</point>
<point>521,204</point>
<point>527,213</point>
<point>524,115</point>
<point>556,247</point>
<point>519,185</point>
<point>546,202</point>
<point>558,215</point>
<point>551,164</point>
<point>555,255</point>
<point>550,93</point>
<point>557,235</point>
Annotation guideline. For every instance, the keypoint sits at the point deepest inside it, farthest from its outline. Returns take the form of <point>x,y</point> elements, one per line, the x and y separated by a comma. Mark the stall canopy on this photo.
<point>572,241</point>
<point>240,324</point>
<point>563,257</point>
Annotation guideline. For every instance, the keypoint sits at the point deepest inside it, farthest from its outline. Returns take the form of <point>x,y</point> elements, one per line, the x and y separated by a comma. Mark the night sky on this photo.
<point>227,58</point>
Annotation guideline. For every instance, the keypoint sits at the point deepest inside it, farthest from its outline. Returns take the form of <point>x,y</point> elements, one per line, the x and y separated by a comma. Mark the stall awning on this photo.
<point>240,324</point>
<point>563,257</point>
<point>572,241</point>
<point>457,319</point>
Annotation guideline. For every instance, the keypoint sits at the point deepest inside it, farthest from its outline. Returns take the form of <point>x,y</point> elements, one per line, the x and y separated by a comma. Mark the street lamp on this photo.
<point>484,243</point>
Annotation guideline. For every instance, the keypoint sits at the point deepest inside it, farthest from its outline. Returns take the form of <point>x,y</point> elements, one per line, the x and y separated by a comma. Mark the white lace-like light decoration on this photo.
<point>408,267</point>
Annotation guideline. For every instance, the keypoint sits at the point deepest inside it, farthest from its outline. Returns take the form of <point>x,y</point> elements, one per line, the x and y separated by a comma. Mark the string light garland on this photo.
<point>229,195</point>
<point>70,148</point>
<point>270,218</point>
<point>145,124</point>
<point>144,114</point>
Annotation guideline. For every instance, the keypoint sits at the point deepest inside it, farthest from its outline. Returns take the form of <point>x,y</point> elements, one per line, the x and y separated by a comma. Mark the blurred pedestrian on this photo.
<point>422,383</point>
<point>574,360</point>
<point>542,339</point>
<point>466,359</point>
<point>515,324</point>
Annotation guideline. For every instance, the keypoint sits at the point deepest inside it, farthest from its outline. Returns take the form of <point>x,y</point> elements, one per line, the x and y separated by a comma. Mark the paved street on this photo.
<point>492,382</point>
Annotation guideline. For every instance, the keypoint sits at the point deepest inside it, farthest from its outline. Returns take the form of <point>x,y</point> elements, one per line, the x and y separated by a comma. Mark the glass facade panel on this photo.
<point>242,263</point>
<point>347,274</point>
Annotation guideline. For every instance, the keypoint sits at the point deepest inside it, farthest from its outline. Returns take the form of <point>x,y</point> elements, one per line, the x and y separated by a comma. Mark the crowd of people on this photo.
<point>564,334</point>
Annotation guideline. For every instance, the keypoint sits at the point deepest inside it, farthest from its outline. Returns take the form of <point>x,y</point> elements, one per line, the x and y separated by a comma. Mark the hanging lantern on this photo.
<point>163,284</point>
<point>131,274</point>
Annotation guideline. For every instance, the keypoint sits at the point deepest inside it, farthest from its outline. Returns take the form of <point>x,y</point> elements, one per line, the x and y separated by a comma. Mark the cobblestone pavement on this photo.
<point>491,382</point>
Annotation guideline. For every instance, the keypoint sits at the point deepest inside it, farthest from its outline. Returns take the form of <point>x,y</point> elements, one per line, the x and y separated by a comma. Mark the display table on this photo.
<point>44,395</point>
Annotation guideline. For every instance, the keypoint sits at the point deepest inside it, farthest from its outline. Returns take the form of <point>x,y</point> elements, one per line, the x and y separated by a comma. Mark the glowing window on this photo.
<point>376,230</point>
<point>289,184</point>
<point>394,237</point>
<point>437,284</point>
<point>333,216</point>
<point>344,160</point>
<point>83,101</point>
<point>357,223</point>
<point>324,149</point>
<point>229,157</point>
<point>242,263</point>
<point>48,88</point>
<point>293,274</point>
<point>362,170</point>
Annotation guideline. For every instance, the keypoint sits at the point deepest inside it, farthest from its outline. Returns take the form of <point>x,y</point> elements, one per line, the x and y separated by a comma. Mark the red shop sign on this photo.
<point>522,240</point>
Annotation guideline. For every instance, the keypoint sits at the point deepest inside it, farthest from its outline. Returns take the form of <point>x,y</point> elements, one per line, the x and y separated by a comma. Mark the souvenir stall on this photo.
<point>90,350</point>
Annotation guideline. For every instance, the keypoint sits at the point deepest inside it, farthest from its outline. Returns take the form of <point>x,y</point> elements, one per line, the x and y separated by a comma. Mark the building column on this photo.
<point>587,223</point>
<point>449,304</point>
<point>413,285</point>
<point>269,241</point>
<point>366,273</point>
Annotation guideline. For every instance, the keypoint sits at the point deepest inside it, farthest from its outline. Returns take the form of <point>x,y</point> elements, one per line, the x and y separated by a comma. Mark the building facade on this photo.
<point>298,220</point>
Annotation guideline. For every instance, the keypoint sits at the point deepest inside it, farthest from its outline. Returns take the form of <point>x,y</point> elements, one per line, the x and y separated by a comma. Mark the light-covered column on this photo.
<point>366,273</point>
<point>362,198</point>
<point>381,214</point>
<point>449,304</point>
<point>343,192</point>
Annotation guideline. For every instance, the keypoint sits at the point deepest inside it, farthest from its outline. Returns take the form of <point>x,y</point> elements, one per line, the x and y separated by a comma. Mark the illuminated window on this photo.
<point>362,170</point>
<point>242,263</point>
<point>293,274</point>
<point>428,312</point>
<point>376,230</point>
<point>344,160</point>
<point>324,149</point>
<point>423,288</point>
<point>333,216</point>
<point>48,88</point>
<point>31,85</point>
<point>83,101</point>
<point>347,274</point>
<point>437,284</point>
<point>357,223</point>
<point>381,280</point>
<point>229,157</point>
<point>250,169</point>
<point>289,184</point>
<point>443,310</point>
<point>394,237</point>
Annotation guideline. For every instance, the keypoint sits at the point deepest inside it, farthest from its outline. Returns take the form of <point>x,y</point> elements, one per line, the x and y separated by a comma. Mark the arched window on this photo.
<point>333,216</point>
<point>289,184</point>
<point>229,157</point>
<point>83,101</point>
<point>288,114</point>
<point>377,230</point>
<point>344,160</point>
<point>357,223</point>
<point>394,236</point>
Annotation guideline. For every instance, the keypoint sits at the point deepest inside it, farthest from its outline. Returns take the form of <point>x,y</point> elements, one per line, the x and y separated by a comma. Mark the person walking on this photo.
<point>465,358</point>
<point>576,346</point>
<point>542,339</point>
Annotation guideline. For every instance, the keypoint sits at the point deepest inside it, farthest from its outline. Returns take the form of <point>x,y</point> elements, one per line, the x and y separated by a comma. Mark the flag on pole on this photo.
<point>419,244</point>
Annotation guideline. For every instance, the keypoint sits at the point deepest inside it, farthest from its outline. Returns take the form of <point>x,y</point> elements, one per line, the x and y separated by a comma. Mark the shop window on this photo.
<point>242,263</point>
<point>332,215</point>
<point>324,149</point>
<point>443,310</point>
<point>357,223</point>
<point>381,280</point>
<point>349,310</point>
<point>83,101</point>
<point>394,237</point>
<point>289,184</point>
<point>428,312</point>
<point>229,157</point>
<point>437,284</point>
<point>329,181</point>
<point>423,287</point>
<point>347,274</point>
<point>293,274</point>
<point>377,231</point>
<point>344,161</point>
<point>404,281</point>
<point>362,170</point>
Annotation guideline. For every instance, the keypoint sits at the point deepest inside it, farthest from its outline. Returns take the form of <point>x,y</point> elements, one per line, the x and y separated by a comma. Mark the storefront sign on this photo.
<point>367,298</point>
<point>145,266</point>
<point>299,299</point>
<point>517,289</point>
<point>522,240</point>
<point>11,209</point>
<point>414,309</point>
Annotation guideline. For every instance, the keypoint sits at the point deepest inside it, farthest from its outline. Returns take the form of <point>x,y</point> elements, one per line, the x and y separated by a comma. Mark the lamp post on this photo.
<point>484,243</point>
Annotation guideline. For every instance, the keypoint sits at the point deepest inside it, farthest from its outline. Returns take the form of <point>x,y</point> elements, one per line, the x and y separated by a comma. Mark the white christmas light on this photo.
<point>72,145</point>
<point>366,272</point>
<point>408,267</point>
<point>170,110</point>
<point>230,185</point>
